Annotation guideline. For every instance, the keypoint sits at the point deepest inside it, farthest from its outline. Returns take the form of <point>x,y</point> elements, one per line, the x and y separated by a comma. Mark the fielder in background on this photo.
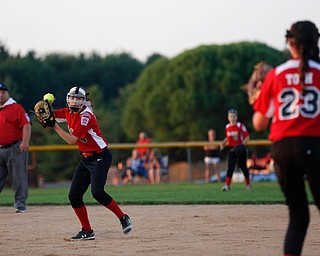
<point>94,164</point>
<point>290,95</point>
<point>211,157</point>
<point>236,139</point>
<point>15,132</point>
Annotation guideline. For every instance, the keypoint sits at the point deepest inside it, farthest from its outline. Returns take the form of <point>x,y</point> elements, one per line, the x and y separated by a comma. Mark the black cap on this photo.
<point>3,87</point>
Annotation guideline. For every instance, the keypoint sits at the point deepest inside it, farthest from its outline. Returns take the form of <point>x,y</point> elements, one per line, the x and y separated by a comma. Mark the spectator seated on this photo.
<point>259,165</point>
<point>164,165</point>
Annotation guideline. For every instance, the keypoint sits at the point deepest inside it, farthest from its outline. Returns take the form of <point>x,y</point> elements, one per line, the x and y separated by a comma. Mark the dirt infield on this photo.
<point>157,230</point>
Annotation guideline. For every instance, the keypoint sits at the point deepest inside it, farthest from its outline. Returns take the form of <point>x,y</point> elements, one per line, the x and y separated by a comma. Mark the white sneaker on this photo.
<point>225,188</point>
<point>249,187</point>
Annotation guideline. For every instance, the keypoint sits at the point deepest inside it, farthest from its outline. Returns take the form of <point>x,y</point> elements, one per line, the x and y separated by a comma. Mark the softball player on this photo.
<point>290,95</point>
<point>94,164</point>
<point>236,138</point>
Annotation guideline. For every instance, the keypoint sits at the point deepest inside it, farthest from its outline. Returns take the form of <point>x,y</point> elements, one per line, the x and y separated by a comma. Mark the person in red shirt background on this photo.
<point>143,139</point>
<point>95,161</point>
<point>290,95</point>
<point>236,139</point>
<point>15,133</point>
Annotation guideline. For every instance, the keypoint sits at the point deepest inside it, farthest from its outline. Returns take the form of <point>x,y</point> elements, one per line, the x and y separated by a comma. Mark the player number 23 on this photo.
<point>290,108</point>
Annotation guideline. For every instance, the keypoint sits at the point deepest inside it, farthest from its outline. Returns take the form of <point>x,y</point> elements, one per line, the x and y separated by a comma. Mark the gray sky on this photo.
<point>144,27</point>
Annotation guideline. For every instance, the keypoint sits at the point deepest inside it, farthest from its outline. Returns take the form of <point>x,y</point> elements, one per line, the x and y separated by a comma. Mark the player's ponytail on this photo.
<point>305,36</point>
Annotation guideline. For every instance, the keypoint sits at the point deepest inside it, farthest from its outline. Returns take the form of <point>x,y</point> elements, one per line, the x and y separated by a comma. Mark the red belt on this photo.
<point>91,153</point>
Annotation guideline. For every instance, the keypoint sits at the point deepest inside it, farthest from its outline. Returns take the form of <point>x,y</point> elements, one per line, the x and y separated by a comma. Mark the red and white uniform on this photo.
<point>12,119</point>
<point>235,134</point>
<point>83,125</point>
<point>297,113</point>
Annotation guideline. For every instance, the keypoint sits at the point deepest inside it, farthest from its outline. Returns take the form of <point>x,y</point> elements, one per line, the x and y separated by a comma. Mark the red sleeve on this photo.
<point>85,122</point>
<point>60,113</point>
<point>244,131</point>
<point>23,117</point>
<point>264,103</point>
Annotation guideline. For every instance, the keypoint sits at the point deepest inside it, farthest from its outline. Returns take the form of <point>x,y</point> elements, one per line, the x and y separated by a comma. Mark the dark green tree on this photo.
<point>181,98</point>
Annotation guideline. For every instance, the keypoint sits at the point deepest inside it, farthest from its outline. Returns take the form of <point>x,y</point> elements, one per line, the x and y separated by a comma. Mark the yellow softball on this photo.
<point>49,97</point>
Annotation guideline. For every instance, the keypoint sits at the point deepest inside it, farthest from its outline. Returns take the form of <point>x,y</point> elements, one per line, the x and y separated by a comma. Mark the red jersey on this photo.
<point>293,113</point>
<point>83,125</point>
<point>12,119</point>
<point>235,134</point>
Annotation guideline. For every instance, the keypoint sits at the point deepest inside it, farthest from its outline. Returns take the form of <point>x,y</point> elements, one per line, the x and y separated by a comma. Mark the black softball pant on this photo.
<point>94,171</point>
<point>295,160</point>
<point>233,159</point>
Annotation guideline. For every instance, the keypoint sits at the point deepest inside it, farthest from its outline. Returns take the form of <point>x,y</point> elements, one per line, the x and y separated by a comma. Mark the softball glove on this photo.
<point>44,112</point>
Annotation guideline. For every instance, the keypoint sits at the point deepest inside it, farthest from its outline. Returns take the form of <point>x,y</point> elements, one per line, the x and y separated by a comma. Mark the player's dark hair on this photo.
<point>305,36</point>
<point>233,111</point>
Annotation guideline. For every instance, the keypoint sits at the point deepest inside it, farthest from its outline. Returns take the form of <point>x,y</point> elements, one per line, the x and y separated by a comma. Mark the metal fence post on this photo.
<point>189,164</point>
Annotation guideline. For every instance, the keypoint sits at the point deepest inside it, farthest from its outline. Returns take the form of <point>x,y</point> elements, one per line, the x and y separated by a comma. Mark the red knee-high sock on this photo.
<point>228,181</point>
<point>247,181</point>
<point>82,215</point>
<point>114,207</point>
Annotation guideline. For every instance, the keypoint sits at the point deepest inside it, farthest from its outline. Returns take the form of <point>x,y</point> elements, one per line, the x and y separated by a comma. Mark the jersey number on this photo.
<point>290,108</point>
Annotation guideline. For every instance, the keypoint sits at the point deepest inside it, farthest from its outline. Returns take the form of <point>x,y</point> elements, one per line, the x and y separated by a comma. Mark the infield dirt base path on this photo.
<point>233,230</point>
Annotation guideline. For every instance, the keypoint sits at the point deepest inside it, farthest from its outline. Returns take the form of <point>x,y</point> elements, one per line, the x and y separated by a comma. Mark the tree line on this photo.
<point>175,99</point>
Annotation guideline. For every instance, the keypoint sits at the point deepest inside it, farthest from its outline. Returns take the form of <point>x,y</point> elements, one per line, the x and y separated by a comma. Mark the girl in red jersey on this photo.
<point>290,95</point>
<point>94,164</point>
<point>236,139</point>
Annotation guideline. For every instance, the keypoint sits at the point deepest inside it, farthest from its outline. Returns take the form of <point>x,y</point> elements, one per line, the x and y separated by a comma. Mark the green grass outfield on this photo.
<point>261,193</point>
